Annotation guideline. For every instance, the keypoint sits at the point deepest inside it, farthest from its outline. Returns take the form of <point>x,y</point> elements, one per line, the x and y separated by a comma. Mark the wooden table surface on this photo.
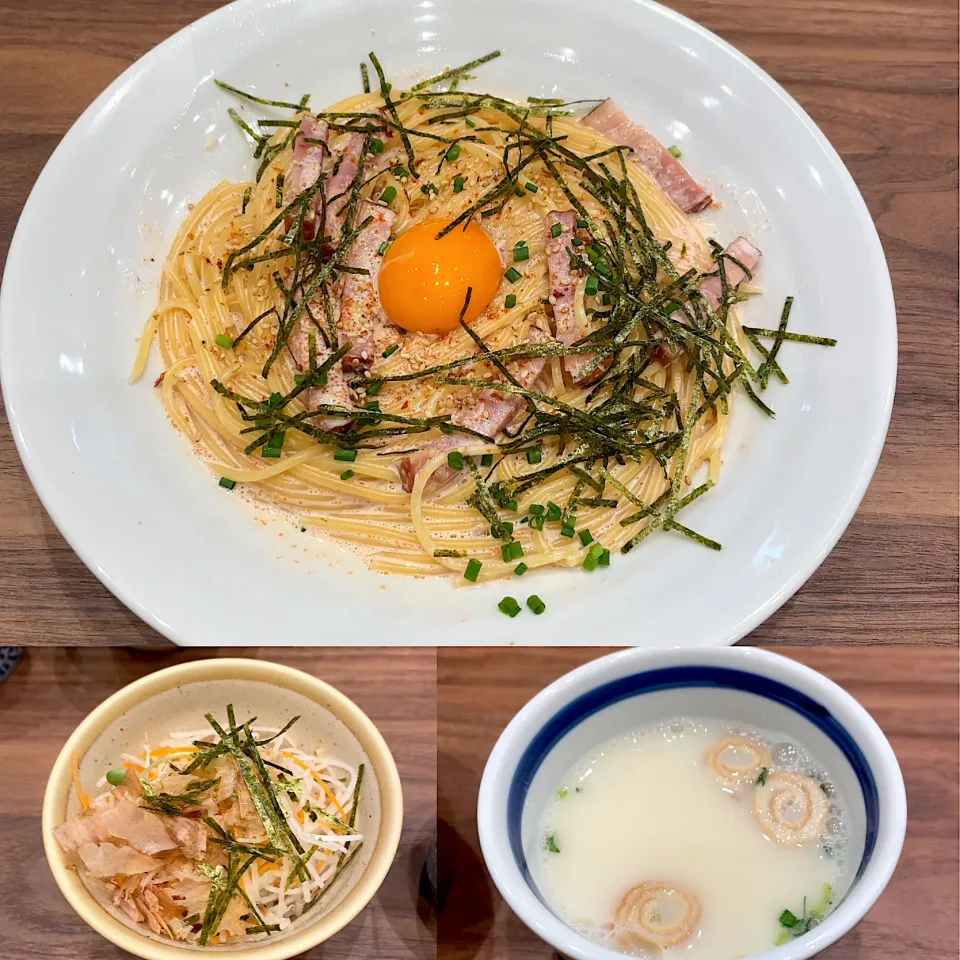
<point>54,689</point>
<point>878,76</point>
<point>910,691</point>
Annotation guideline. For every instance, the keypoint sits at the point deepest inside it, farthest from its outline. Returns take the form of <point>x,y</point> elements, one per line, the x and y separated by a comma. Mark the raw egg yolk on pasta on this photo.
<point>424,281</point>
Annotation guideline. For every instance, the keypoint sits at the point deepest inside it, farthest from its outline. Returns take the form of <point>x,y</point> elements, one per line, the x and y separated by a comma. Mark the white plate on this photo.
<point>187,557</point>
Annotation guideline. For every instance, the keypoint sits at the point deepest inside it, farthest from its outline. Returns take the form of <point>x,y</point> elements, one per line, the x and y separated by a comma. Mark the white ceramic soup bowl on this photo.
<point>617,694</point>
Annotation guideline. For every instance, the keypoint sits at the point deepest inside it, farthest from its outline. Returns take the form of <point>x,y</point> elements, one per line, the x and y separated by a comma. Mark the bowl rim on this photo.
<point>530,719</point>
<point>318,691</point>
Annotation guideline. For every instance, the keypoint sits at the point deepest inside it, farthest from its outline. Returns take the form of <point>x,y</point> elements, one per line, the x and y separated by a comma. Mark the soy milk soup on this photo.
<point>694,839</point>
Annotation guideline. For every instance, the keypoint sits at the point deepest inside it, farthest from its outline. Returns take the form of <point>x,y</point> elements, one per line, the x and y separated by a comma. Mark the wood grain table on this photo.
<point>911,692</point>
<point>54,689</point>
<point>878,76</point>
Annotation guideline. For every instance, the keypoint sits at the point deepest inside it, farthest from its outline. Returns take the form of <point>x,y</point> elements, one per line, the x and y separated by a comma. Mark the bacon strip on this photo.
<point>489,416</point>
<point>563,288</point>
<point>309,159</point>
<point>336,391</point>
<point>671,176</point>
<point>742,250</point>
<point>362,320</point>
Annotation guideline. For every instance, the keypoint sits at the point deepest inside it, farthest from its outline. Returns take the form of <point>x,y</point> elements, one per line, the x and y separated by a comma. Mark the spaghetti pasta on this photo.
<point>670,352</point>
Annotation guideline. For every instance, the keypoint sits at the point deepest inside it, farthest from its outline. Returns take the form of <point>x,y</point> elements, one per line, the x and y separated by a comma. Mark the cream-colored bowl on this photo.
<point>176,699</point>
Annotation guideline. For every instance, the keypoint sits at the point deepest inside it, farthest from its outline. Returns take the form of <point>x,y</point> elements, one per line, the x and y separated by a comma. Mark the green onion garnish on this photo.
<point>382,249</point>
<point>508,528</point>
<point>388,195</point>
<point>586,537</point>
<point>592,559</point>
<point>390,351</point>
<point>534,456</point>
<point>577,242</point>
<point>458,184</point>
<point>536,523</point>
<point>452,153</point>
<point>486,460</point>
<point>537,509</point>
<point>455,460</point>
<point>116,777</point>
<point>271,453</point>
<point>562,792</point>
<point>505,552</point>
<point>520,569</point>
<point>224,341</point>
<point>556,230</point>
<point>568,531</point>
<point>582,224</point>
<point>551,841</point>
<point>513,275</point>
<point>511,301</point>
<point>591,287</point>
<point>516,550</point>
<point>532,187</point>
<point>372,405</point>
<point>553,511</point>
<point>537,606</point>
<point>604,560</point>
<point>347,475</point>
<point>374,387</point>
<point>227,483</point>
<point>510,505</point>
<point>345,456</point>
<point>521,253</point>
<point>675,150</point>
<point>469,122</point>
<point>509,606</point>
<point>375,145</point>
<point>472,571</point>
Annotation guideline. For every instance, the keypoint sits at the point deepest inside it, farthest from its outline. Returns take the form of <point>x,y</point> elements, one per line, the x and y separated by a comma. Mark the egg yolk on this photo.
<point>424,281</point>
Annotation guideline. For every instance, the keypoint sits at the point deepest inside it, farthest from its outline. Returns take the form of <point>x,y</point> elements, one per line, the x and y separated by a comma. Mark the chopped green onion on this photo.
<point>513,275</point>
<point>486,460</point>
<point>390,351</point>
<point>671,307</point>
<point>271,453</point>
<point>455,460</point>
<point>582,224</point>
<point>537,509</point>
<point>536,523</point>
<point>562,792</point>
<point>551,841</point>
<point>276,441</point>
<point>227,483</point>
<point>505,552</point>
<point>592,559</point>
<point>275,399</point>
<point>452,153</point>
<point>568,531</point>
<point>788,919</point>
<point>401,173</point>
<point>472,571</point>
<point>429,188</point>
<point>675,150</point>
<point>556,230</point>
<point>553,511</point>
<point>604,560</point>
<point>509,606</point>
<point>458,184</point>
<point>516,550</point>
<point>521,253</point>
<point>520,569</point>
<point>375,145</point>
<point>372,405</point>
<point>469,122</point>
<point>374,387</point>
<point>388,195</point>
<point>534,456</point>
<point>532,187</point>
<point>345,456</point>
<point>762,779</point>
<point>224,341</point>
<point>116,776</point>
<point>585,537</point>
<point>511,301</point>
<point>347,475</point>
<point>508,528</point>
<point>605,299</point>
<point>537,606</point>
<point>591,287</point>
<point>382,249</point>
<point>510,505</point>
<point>577,242</point>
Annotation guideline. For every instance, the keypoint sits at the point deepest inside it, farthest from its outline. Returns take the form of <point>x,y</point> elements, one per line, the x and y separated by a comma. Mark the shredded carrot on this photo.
<point>319,780</point>
<point>81,796</point>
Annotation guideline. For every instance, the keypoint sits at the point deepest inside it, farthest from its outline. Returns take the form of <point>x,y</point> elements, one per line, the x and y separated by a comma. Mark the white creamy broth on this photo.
<point>740,825</point>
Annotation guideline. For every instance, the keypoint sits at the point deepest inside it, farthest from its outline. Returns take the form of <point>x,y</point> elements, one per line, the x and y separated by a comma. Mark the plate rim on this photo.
<point>816,554</point>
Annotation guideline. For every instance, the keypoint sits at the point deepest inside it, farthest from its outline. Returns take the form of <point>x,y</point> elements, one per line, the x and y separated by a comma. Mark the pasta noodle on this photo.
<point>361,503</point>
